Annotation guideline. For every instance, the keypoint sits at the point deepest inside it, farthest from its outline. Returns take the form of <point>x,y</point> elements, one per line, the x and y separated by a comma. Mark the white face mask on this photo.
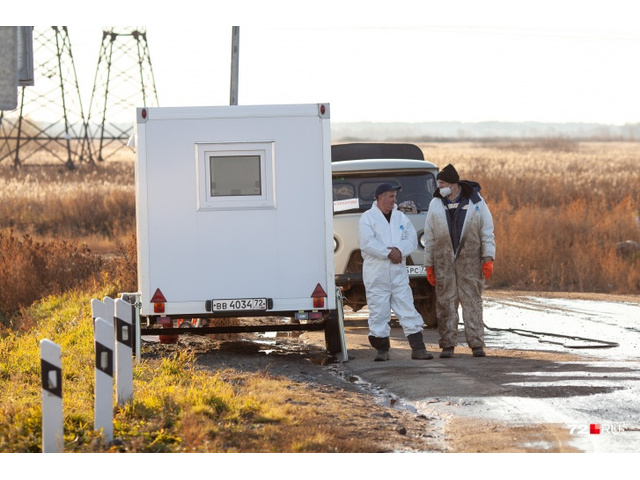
<point>445,191</point>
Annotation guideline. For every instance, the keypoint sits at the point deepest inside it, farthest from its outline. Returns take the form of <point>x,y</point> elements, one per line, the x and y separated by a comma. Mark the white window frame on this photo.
<point>264,149</point>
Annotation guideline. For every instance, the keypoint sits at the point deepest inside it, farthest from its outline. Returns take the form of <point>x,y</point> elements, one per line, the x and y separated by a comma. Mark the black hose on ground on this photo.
<point>530,333</point>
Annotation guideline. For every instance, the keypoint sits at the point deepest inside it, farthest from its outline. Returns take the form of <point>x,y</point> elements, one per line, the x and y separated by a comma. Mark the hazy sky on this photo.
<point>410,74</point>
<point>581,67</point>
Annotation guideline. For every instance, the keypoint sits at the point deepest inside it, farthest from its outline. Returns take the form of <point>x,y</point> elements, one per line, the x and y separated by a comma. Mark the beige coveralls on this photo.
<point>459,278</point>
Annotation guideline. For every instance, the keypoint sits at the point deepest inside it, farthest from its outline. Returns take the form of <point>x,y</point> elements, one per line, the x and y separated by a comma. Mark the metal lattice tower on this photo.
<point>124,81</point>
<point>49,117</point>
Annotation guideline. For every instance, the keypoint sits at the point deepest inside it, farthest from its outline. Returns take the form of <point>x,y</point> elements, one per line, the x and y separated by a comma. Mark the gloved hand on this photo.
<point>487,269</point>
<point>431,276</point>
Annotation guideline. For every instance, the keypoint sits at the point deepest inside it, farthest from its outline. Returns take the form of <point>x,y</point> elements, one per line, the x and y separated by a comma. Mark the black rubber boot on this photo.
<point>447,352</point>
<point>418,349</point>
<point>382,345</point>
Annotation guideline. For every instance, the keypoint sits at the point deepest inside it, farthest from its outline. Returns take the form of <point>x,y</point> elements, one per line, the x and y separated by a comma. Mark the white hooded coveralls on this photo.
<point>387,284</point>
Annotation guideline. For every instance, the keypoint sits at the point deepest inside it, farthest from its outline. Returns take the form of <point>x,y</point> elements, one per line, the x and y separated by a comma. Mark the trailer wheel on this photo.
<point>332,338</point>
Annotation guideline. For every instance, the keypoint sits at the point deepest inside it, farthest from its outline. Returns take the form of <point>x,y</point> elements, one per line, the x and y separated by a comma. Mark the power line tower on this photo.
<point>49,116</point>
<point>124,81</point>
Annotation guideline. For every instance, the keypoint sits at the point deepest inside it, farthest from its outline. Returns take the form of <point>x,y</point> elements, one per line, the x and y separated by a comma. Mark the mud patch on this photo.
<point>467,435</point>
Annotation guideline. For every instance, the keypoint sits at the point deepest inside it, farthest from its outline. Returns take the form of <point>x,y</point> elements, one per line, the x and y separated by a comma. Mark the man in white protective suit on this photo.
<point>386,238</point>
<point>458,255</point>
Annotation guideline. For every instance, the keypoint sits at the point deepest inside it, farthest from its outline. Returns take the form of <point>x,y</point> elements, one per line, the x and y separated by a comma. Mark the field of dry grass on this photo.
<point>61,229</point>
<point>560,208</point>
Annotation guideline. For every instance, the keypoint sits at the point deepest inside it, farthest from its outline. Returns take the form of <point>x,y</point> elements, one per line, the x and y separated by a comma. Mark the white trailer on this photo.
<point>234,218</point>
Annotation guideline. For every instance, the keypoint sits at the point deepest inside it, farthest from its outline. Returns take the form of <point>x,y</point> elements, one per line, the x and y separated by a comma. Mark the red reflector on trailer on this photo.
<point>318,296</point>
<point>158,301</point>
<point>319,292</point>
<point>158,297</point>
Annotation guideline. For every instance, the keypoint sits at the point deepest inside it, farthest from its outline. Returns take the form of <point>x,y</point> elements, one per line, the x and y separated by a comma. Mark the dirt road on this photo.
<point>531,393</point>
<point>562,374</point>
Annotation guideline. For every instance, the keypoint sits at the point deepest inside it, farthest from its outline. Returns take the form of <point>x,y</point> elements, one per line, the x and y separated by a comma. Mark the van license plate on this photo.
<point>239,304</point>
<point>416,270</point>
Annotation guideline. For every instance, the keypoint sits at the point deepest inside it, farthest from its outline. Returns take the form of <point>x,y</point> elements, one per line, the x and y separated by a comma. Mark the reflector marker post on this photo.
<point>103,410</point>
<point>52,421</point>
<point>124,351</point>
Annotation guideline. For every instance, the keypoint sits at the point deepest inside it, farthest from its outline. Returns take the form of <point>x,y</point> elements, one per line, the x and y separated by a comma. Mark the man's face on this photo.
<point>442,184</point>
<point>386,201</point>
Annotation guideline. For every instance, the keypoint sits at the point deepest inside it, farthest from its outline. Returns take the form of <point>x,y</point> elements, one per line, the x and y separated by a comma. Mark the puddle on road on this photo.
<point>272,339</point>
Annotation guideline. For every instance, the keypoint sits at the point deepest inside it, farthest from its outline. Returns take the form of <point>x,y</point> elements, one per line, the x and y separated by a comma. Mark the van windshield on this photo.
<point>417,188</point>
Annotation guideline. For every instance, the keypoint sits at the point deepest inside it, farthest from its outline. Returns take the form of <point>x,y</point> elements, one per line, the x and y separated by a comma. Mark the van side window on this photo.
<point>343,191</point>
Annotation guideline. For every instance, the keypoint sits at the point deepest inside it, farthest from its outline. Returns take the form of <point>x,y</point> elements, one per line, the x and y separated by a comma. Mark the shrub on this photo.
<point>30,270</point>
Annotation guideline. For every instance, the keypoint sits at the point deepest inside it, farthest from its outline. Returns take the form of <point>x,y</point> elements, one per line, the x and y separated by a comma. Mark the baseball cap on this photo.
<point>387,187</point>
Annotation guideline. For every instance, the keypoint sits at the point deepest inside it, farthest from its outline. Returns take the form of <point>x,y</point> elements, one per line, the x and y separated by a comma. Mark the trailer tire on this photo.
<point>332,337</point>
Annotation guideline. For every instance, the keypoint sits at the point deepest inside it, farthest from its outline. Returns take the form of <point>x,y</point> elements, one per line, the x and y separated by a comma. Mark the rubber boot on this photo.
<point>418,349</point>
<point>382,345</point>
<point>447,352</point>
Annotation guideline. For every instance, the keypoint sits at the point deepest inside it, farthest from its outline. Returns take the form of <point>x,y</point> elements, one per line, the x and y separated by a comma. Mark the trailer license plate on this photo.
<point>416,270</point>
<point>239,304</point>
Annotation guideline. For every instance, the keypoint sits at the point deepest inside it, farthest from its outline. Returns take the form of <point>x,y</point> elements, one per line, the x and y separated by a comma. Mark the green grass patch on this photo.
<point>177,406</point>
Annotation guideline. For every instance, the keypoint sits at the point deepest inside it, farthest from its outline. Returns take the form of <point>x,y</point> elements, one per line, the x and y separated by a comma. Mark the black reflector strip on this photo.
<point>124,332</point>
<point>104,359</point>
<point>51,378</point>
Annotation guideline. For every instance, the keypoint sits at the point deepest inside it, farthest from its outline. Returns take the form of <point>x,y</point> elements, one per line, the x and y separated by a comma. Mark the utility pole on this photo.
<point>235,53</point>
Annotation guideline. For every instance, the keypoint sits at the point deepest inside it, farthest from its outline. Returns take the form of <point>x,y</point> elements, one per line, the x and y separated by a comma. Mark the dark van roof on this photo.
<point>361,151</point>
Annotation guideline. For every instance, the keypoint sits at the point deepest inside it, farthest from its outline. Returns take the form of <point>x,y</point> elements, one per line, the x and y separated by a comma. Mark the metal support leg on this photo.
<point>340,309</point>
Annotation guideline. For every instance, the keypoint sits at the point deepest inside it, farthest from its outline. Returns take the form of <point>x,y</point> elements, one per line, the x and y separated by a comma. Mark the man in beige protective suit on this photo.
<point>386,237</point>
<point>458,254</point>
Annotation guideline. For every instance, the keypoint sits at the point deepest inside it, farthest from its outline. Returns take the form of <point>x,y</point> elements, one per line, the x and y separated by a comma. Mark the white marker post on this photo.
<point>109,304</point>
<point>98,309</point>
<point>134,300</point>
<point>51,372</point>
<point>103,413</point>
<point>124,351</point>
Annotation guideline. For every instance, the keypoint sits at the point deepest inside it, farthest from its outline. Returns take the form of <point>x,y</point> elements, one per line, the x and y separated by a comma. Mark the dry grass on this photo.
<point>560,208</point>
<point>31,269</point>
<point>93,201</point>
<point>60,229</point>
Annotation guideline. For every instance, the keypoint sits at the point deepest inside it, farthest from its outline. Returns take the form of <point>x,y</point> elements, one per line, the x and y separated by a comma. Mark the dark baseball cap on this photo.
<point>387,187</point>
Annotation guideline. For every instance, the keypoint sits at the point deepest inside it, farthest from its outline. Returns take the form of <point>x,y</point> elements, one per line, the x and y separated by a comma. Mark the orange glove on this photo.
<point>487,269</point>
<point>431,276</point>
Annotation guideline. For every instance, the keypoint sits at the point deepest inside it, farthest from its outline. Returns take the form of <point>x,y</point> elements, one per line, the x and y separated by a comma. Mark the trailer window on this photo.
<point>235,175</point>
